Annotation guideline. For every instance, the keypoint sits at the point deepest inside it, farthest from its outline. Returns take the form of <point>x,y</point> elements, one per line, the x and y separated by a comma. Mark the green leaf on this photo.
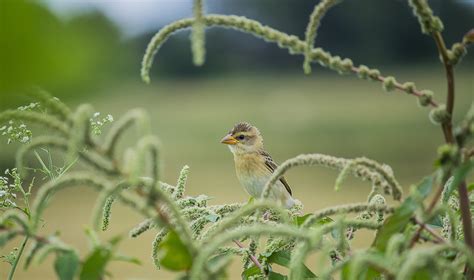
<point>94,265</point>
<point>173,254</point>
<point>459,175</point>
<point>470,187</point>
<point>401,217</point>
<point>436,221</point>
<point>114,241</point>
<point>423,274</point>
<point>5,237</point>
<point>251,200</point>
<point>251,271</point>
<point>66,265</point>
<point>322,221</point>
<point>254,271</point>
<point>367,273</point>
<point>124,258</point>
<point>283,258</point>
<point>276,276</point>
<point>212,218</point>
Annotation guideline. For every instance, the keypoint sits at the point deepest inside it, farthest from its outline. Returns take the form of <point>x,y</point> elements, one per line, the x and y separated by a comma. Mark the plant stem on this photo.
<point>430,208</point>
<point>17,259</point>
<point>448,133</point>
<point>464,204</point>
<point>447,127</point>
<point>252,257</point>
<point>449,137</point>
<point>433,233</point>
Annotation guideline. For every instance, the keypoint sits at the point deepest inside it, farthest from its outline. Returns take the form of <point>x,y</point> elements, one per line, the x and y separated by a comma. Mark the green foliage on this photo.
<point>55,53</point>
<point>402,215</point>
<point>173,253</point>
<point>94,264</point>
<point>66,265</point>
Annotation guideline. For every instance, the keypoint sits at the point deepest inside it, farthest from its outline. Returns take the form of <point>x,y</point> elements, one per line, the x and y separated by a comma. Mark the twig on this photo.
<point>252,257</point>
<point>400,87</point>
<point>422,225</point>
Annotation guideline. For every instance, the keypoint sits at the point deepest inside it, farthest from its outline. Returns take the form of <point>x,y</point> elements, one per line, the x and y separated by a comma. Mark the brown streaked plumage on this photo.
<point>253,165</point>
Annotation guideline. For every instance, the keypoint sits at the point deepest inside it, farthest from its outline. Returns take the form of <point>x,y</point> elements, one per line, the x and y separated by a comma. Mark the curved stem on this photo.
<point>448,133</point>
<point>17,259</point>
<point>252,257</point>
<point>243,24</point>
<point>447,127</point>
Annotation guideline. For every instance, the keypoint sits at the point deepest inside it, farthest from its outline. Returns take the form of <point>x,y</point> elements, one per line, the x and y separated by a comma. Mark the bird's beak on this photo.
<point>229,140</point>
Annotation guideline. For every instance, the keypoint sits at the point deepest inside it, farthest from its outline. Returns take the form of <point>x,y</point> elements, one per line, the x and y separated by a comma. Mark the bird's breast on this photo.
<point>252,173</point>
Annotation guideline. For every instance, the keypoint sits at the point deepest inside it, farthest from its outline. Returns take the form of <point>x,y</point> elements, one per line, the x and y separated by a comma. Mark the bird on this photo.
<point>254,166</point>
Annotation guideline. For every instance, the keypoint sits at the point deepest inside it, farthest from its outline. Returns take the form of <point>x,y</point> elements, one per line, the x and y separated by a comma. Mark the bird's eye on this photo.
<point>241,137</point>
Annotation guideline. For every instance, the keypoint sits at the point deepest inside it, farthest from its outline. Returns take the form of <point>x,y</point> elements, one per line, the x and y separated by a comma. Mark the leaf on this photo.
<point>251,271</point>
<point>124,258</point>
<point>367,273</point>
<point>251,200</point>
<point>436,221</point>
<point>254,271</point>
<point>173,254</point>
<point>459,175</point>
<point>276,276</point>
<point>212,218</point>
<point>66,265</point>
<point>114,241</point>
<point>322,221</point>
<point>423,274</point>
<point>401,217</point>
<point>5,237</point>
<point>283,258</point>
<point>94,265</point>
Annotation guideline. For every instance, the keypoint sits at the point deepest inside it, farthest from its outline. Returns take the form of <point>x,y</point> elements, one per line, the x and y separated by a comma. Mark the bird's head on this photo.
<point>243,138</point>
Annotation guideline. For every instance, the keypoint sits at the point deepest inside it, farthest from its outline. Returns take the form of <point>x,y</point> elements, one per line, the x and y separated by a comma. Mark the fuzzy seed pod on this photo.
<point>363,72</point>
<point>426,98</point>
<point>346,65</point>
<point>429,23</point>
<point>374,74</point>
<point>457,52</point>
<point>409,87</point>
<point>439,115</point>
<point>389,83</point>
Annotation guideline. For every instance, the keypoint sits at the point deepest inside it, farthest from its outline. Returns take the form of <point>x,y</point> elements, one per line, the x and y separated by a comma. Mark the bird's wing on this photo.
<point>271,166</point>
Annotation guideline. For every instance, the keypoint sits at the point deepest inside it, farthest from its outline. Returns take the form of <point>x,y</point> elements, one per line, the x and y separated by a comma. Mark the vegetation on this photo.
<point>196,239</point>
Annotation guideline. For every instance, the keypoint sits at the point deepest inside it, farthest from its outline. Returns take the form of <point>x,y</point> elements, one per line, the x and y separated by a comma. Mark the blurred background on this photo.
<point>90,52</point>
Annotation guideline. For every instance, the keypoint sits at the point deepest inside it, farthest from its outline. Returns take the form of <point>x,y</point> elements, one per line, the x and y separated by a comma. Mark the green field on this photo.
<point>322,113</point>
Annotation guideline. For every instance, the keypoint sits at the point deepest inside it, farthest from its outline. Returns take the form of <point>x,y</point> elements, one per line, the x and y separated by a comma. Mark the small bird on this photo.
<point>253,165</point>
